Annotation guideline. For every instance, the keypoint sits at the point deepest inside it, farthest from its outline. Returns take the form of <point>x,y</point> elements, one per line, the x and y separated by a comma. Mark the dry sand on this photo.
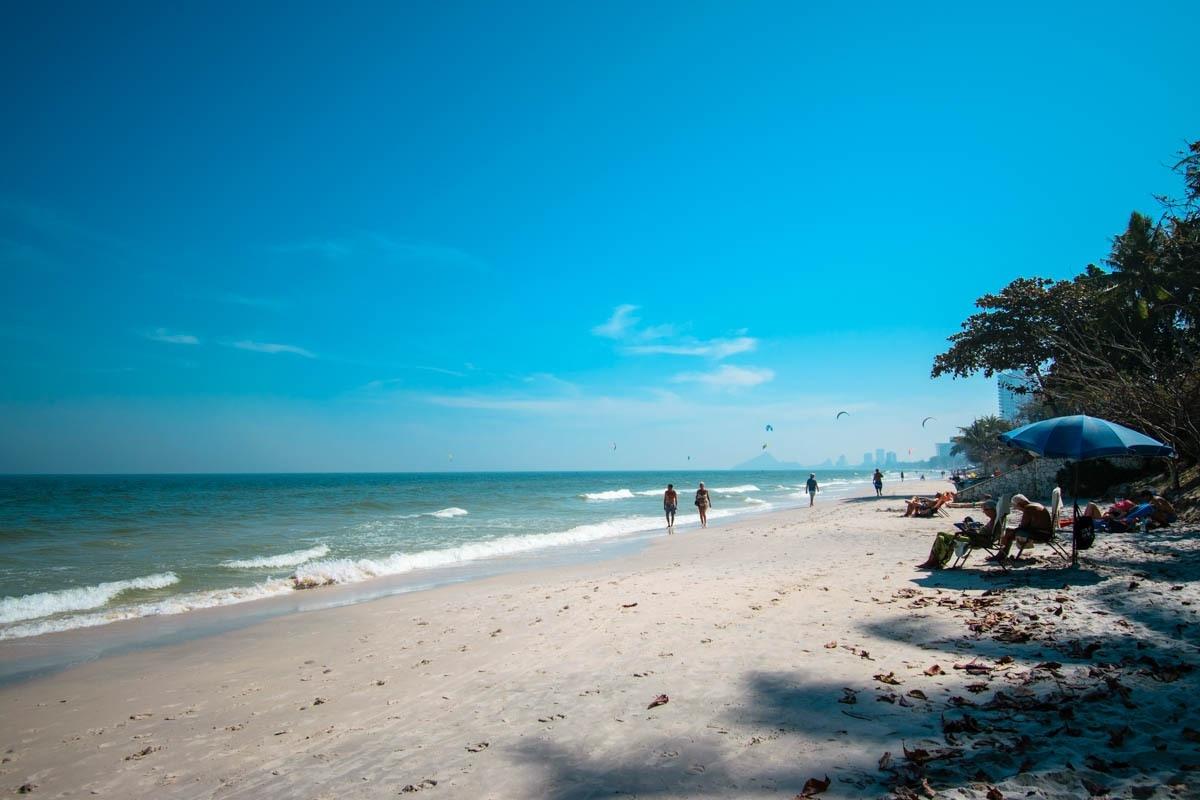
<point>790,646</point>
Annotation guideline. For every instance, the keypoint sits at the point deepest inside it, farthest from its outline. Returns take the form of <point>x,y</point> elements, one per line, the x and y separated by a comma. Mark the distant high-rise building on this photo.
<point>1010,388</point>
<point>866,462</point>
<point>943,457</point>
<point>890,459</point>
<point>841,462</point>
<point>879,456</point>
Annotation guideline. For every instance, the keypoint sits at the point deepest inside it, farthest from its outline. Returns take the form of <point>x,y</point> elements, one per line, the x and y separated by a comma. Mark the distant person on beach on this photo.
<point>811,487</point>
<point>901,475</point>
<point>877,479</point>
<point>670,504</point>
<point>703,503</point>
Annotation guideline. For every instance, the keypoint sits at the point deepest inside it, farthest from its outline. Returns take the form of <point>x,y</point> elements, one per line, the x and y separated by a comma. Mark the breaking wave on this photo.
<point>285,560</point>
<point>615,494</point>
<point>80,598</point>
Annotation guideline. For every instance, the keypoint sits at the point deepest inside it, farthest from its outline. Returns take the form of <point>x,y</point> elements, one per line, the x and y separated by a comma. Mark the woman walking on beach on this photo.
<point>703,503</point>
<point>877,479</point>
<point>670,503</point>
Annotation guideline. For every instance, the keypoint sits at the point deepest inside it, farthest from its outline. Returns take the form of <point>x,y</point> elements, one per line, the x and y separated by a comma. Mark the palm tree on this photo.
<point>979,444</point>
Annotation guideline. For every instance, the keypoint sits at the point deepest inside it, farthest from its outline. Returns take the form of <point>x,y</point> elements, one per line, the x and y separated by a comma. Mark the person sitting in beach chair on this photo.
<point>1035,526</point>
<point>972,535</point>
<point>928,506</point>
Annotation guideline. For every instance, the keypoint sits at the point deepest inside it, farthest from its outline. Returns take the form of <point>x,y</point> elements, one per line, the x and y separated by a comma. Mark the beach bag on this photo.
<point>1085,533</point>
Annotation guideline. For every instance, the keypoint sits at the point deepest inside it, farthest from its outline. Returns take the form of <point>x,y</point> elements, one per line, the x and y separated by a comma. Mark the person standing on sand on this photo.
<point>703,503</point>
<point>670,504</point>
<point>810,486</point>
<point>901,476</point>
<point>877,479</point>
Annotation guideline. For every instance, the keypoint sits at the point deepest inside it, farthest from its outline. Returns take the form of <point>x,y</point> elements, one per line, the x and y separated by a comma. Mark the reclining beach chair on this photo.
<point>1053,540</point>
<point>988,541</point>
<point>936,509</point>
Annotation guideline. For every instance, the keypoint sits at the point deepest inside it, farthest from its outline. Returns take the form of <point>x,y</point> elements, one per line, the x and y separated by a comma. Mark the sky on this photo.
<point>284,237</point>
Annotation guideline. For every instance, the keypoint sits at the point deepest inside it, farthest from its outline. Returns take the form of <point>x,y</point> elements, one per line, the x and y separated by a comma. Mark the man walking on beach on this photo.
<point>877,479</point>
<point>811,487</point>
<point>670,503</point>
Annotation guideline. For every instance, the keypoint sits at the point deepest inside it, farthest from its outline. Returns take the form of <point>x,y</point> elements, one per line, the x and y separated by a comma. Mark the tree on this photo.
<point>1120,341</point>
<point>979,443</point>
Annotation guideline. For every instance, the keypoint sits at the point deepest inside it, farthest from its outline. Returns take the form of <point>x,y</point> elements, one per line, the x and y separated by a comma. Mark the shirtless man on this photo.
<point>670,504</point>
<point>1035,523</point>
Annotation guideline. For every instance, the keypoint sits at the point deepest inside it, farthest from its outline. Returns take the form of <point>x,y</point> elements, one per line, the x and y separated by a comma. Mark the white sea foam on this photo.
<point>754,501</point>
<point>79,598</point>
<point>285,560</point>
<point>170,605</point>
<point>615,494</point>
<point>445,513</point>
<point>449,513</point>
<point>346,570</point>
<point>650,492</point>
<point>748,487</point>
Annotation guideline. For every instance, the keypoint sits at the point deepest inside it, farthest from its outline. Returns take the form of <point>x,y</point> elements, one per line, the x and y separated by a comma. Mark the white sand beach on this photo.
<point>789,646</point>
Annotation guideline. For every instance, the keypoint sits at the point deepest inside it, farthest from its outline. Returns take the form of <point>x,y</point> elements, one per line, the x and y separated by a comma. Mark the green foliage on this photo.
<point>1120,341</point>
<point>979,443</point>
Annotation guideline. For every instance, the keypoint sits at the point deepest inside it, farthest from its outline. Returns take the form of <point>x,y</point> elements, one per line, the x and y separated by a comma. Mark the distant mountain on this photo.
<point>766,461</point>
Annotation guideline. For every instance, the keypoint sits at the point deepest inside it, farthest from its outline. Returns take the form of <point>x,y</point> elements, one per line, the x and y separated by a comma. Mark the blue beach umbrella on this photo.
<point>1078,438</point>
<point>1081,437</point>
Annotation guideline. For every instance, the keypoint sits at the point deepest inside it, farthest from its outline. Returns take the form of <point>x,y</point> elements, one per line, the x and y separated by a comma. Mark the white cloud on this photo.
<point>619,324</point>
<point>164,335</point>
<point>712,348</point>
<point>497,403</point>
<point>728,376</point>
<point>272,348</point>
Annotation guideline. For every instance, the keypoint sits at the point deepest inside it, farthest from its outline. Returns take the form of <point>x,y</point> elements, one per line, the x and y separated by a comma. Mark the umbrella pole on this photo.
<point>1075,520</point>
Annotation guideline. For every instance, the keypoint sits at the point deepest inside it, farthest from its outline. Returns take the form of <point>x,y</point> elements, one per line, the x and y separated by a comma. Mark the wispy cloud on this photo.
<point>380,246</point>
<point>711,348</point>
<point>268,303</point>
<point>272,348</point>
<point>647,340</point>
<point>620,324</point>
<point>164,335</point>
<point>728,376</point>
<point>498,403</point>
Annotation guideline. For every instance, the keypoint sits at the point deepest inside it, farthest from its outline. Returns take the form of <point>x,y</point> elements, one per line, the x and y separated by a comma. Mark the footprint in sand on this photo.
<point>696,769</point>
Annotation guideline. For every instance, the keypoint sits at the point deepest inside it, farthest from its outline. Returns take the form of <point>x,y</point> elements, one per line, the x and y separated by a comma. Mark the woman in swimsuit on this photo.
<point>703,503</point>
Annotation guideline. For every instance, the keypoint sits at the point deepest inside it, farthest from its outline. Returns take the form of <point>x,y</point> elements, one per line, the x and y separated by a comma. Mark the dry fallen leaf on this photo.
<point>994,794</point>
<point>661,700</point>
<point>889,678</point>
<point>885,760</point>
<point>813,787</point>
<point>934,670</point>
<point>830,645</point>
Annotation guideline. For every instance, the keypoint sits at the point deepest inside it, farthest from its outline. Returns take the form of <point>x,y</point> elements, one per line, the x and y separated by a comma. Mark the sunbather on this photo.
<point>943,543</point>
<point>927,506</point>
<point>1035,524</point>
<point>1155,509</point>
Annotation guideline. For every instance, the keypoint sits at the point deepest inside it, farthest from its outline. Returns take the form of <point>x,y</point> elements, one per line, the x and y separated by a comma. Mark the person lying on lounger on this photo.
<point>1111,520</point>
<point>927,506</point>
<point>1035,524</point>
<point>1157,510</point>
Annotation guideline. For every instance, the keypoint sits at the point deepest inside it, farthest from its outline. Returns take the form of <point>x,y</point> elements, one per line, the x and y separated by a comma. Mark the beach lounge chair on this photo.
<point>1053,540</point>
<point>986,540</point>
<point>937,509</point>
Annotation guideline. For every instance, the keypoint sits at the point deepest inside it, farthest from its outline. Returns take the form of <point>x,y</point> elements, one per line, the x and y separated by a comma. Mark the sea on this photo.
<point>89,551</point>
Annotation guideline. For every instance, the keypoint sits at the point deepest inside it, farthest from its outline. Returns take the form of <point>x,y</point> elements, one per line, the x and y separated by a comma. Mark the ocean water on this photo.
<point>81,551</point>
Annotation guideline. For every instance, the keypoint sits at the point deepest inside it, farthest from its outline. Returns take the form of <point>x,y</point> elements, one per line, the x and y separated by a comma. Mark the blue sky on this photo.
<point>288,238</point>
